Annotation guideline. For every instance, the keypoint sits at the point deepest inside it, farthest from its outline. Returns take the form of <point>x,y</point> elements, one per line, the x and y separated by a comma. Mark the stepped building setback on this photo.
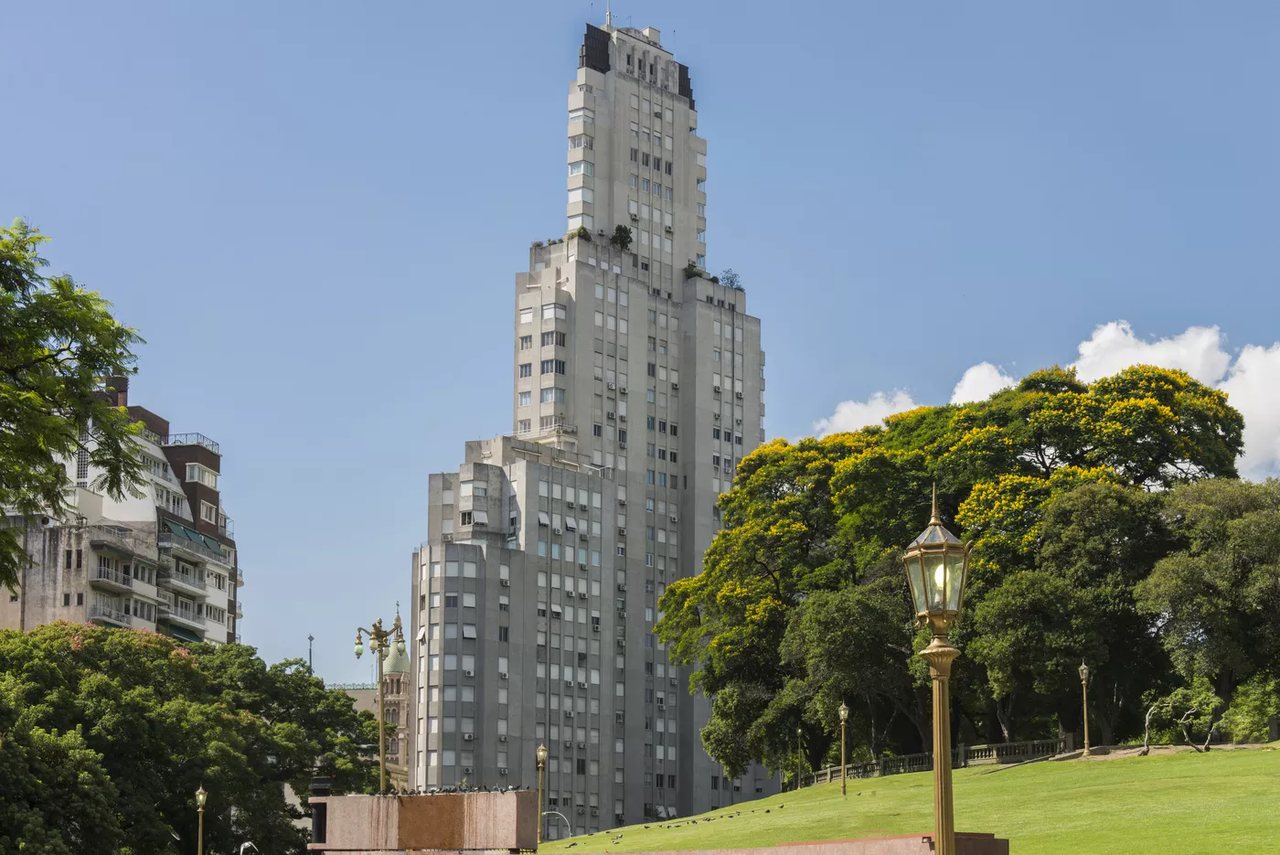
<point>162,560</point>
<point>637,388</point>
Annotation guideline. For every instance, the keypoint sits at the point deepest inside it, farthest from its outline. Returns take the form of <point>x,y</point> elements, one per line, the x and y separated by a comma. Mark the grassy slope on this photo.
<point>1226,801</point>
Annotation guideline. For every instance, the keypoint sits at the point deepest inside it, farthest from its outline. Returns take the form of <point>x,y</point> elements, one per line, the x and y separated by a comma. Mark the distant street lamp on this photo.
<point>936,563</point>
<point>541,754</point>
<point>201,796</point>
<point>389,647</point>
<point>1084,691</point>
<point>844,764</point>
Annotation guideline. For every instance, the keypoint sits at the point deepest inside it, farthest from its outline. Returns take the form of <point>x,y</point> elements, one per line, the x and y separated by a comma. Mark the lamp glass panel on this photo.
<point>915,579</point>
<point>935,572</point>
<point>955,578</point>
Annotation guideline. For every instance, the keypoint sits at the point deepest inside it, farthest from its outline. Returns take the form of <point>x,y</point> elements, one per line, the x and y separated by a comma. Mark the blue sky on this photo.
<point>314,211</point>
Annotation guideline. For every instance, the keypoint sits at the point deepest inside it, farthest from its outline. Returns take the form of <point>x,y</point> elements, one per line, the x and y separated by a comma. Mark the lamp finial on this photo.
<point>934,519</point>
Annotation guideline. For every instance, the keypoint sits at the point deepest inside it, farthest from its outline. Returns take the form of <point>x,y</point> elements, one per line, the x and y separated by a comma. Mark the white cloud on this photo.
<point>1253,388</point>
<point>980,382</point>
<point>1251,381</point>
<point>852,415</point>
<point>1113,347</point>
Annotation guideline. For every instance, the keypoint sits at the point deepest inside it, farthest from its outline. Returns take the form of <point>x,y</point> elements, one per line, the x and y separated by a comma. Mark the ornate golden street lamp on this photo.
<point>541,754</point>
<point>844,763</point>
<point>936,564</point>
<point>1084,691</point>
<point>201,796</point>
<point>389,648</point>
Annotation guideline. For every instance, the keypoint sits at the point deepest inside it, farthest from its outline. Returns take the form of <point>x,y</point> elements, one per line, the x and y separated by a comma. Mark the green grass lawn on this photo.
<point>1173,804</point>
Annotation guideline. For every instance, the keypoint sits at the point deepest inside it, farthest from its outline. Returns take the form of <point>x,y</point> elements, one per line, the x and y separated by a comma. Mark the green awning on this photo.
<point>183,633</point>
<point>180,530</point>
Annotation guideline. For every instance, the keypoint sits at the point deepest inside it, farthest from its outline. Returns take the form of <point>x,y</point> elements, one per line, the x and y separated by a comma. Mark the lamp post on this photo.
<point>844,763</point>
<point>541,754</point>
<point>799,755</point>
<point>936,563</point>
<point>201,796</point>
<point>1084,691</point>
<point>389,648</point>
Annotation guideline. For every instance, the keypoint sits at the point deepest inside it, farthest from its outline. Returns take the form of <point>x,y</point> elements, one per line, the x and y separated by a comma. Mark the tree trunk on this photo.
<point>1004,714</point>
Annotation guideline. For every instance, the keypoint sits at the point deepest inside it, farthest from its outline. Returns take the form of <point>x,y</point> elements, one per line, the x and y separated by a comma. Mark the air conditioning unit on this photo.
<point>635,218</point>
<point>506,583</point>
<point>622,586</point>
<point>622,642</point>
<point>738,421</point>
<point>738,395</point>
<point>556,531</point>
<point>622,418</point>
<point>582,595</point>
<point>622,613</point>
<point>447,538</point>
<point>468,737</point>
<point>502,737</point>
<point>502,675</point>
<point>622,532</point>
<point>622,445</point>
<point>715,388</point>
<point>595,627</point>
<point>622,502</point>
<point>613,385</point>
<point>674,518</point>
<point>623,390</point>
<point>582,506</point>
<point>583,566</point>
<point>661,702</point>
<point>568,684</point>
<point>468,673</point>
<point>581,809</point>
<point>675,386</point>
<point>582,684</point>
<point>502,771</point>
<point>673,682</point>
<point>610,415</point>
<point>466,770</point>
<point>668,228</point>
<point>595,811</point>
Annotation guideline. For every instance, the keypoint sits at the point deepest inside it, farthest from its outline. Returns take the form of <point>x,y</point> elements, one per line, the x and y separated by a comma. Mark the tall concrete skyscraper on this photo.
<point>637,387</point>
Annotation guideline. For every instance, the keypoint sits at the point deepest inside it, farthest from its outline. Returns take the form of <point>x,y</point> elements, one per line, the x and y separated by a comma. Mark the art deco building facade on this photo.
<point>164,559</point>
<point>637,387</point>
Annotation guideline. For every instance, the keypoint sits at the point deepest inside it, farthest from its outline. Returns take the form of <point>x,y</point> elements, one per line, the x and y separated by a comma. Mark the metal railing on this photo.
<point>181,579</point>
<point>169,540</point>
<point>963,755</point>
<point>193,439</point>
<point>123,538</point>
<point>106,574</point>
<point>101,612</point>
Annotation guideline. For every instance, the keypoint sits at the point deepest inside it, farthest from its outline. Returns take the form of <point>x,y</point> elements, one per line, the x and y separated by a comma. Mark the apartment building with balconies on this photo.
<point>162,558</point>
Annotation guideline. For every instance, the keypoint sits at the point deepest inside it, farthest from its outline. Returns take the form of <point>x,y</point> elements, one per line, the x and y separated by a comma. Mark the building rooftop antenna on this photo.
<point>608,14</point>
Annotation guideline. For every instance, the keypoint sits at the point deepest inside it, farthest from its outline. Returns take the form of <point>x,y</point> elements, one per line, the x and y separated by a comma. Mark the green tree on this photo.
<point>1215,598</point>
<point>165,719</point>
<point>57,343</point>
<point>832,515</point>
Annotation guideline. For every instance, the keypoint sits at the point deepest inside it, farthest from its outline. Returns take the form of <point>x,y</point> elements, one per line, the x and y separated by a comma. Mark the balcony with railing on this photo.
<point>181,614</point>
<point>186,583</point>
<point>109,614</point>
<point>198,550</point>
<point>193,439</point>
<point>123,539</point>
<point>110,580</point>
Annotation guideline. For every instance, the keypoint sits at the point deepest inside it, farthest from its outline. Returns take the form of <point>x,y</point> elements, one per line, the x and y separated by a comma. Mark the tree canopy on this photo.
<point>1063,488</point>
<point>105,735</point>
<point>58,341</point>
